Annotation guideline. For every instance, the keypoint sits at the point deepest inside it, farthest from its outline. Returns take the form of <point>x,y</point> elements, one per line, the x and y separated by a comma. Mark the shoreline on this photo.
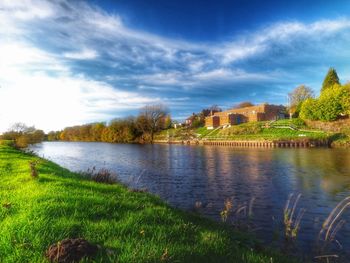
<point>307,143</point>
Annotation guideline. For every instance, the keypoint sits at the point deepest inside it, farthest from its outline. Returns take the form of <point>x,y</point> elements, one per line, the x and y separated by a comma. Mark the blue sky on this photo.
<point>72,62</point>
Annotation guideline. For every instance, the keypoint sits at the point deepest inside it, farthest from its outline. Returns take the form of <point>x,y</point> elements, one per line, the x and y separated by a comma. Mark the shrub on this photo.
<point>333,103</point>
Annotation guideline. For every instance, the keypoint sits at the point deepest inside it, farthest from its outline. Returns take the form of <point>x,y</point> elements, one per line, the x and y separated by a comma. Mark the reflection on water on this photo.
<point>183,175</point>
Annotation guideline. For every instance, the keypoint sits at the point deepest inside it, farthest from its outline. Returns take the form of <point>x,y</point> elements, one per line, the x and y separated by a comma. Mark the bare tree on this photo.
<point>298,95</point>
<point>20,127</point>
<point>151,118</point>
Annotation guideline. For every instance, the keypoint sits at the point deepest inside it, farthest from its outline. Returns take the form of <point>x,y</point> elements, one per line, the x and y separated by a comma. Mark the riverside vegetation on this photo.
<point>54,204</point>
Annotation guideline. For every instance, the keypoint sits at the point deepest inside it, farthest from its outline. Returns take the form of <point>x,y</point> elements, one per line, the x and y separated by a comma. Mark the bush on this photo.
<point>333,103</point>
<point>309,110</point>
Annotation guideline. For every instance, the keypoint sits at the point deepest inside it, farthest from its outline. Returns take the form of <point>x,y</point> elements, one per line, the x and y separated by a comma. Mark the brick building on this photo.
<point>262,112</point>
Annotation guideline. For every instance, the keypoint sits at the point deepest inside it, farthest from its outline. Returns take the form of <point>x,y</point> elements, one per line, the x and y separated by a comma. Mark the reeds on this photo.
<point>291,222</point>
<point>241,214</point>
<point>102,175</point>
<point>333,224</point>
<point>227,210</point>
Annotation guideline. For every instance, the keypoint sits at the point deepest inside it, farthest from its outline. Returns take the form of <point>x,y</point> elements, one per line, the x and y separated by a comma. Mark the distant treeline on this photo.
<point>138,129</point>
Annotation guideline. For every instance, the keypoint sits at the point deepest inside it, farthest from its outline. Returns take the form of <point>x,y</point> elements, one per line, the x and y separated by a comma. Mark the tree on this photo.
<point>243,105</point>
<point>330,80</point>
<point>297,97</point>
<point>151,118</point>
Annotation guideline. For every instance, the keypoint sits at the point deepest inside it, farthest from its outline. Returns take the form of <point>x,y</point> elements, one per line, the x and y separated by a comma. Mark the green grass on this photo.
<point>258,131</point>
<point>274,134</point>
<point>129,226</point>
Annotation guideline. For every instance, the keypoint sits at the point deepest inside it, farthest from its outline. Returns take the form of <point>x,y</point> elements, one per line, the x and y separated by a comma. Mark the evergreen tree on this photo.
<point>330,80</point>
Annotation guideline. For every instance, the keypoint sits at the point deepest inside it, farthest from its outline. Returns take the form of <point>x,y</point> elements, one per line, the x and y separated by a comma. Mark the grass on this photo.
<point>129,226</point>
<point>285,129</point>
<point>256,131</point>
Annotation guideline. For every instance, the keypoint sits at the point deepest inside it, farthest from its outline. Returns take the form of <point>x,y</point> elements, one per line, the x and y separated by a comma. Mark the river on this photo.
<point>203,177</point>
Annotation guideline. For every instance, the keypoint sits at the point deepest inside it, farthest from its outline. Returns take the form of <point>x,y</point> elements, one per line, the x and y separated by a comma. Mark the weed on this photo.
<point>33,168</point>
<point>226,211</point>
<point>291,223</point>
<point>102,175</point>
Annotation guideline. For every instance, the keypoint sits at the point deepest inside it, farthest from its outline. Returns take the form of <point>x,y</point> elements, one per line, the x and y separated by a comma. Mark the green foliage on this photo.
<point>330,80</point>
<point>333,103</point>
<point>197,122</point>
<point>128,226</point>
<point>309,110</point>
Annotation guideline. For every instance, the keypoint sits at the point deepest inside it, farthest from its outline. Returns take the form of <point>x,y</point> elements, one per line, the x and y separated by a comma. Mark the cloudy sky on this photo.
<point>73,62</point>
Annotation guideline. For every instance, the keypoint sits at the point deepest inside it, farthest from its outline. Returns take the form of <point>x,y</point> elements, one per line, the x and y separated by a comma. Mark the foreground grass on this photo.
<point>129,226</point>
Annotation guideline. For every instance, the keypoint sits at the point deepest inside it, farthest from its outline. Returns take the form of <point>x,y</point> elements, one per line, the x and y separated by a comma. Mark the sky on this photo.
<point>65,63</point>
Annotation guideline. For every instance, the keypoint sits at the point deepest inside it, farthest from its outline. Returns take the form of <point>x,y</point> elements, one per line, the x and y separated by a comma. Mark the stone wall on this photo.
<point>334,126</point>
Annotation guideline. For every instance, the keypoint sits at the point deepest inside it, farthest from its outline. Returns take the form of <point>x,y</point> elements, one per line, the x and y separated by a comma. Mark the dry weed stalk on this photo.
<point>33,169</point>
<point>333,224</point>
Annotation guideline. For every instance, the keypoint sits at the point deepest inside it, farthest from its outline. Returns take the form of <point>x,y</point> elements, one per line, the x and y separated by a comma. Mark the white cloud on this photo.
<point>83,54</point>
<point>281,33</point>
<point>56,102</point>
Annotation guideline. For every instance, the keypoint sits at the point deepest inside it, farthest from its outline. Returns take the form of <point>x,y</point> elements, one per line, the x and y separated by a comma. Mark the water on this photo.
<point>183,175</point>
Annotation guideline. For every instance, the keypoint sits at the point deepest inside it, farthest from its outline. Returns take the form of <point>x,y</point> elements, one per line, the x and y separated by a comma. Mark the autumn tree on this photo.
<point>330,80</point>
<point>23,135</point>
<point>151,118</point>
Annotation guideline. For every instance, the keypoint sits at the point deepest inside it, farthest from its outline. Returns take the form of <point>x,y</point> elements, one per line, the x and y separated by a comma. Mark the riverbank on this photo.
<point>128,226</point>
<point>281,133</point>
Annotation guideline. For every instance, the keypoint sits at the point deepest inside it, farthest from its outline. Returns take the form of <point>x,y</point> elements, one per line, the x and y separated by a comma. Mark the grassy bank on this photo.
<point>129,226</point>
<point>279,130</point>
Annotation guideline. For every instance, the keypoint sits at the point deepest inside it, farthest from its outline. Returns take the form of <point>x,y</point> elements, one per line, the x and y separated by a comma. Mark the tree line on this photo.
<point>139,129</point>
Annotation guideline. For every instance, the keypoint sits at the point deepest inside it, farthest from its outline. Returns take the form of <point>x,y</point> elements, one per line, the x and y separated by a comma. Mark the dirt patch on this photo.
<point>71,250</point>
